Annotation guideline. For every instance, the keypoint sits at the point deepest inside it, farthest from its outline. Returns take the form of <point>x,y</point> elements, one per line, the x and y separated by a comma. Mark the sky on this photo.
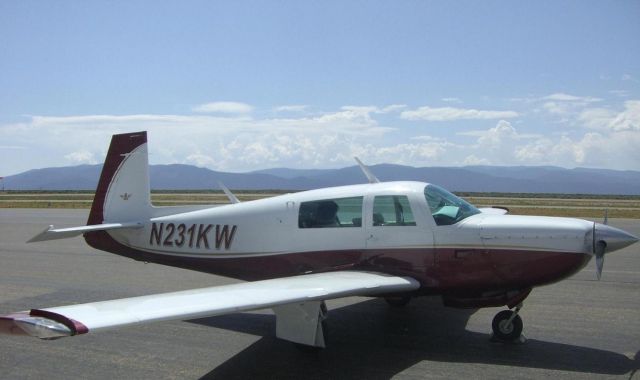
<point>247,85</point>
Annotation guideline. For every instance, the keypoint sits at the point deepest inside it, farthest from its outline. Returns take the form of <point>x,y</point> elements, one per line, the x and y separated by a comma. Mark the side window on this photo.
<point>392,210</point>
<point>341,212</point>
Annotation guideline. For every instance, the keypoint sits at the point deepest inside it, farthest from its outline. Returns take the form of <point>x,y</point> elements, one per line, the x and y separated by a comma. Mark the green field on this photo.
<point>573,205</point>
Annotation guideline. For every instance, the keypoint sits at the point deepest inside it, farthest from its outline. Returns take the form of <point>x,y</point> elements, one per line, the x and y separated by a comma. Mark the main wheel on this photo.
<point>398,301</point>
<point>504,330</point>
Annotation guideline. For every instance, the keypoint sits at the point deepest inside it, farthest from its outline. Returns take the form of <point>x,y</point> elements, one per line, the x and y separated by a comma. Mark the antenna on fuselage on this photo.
<point>367,172</point>
<point>232,198</point>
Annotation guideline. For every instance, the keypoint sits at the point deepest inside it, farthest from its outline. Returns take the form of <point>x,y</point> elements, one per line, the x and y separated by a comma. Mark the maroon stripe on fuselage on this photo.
<point>439,270</point>
<point>119,147</point>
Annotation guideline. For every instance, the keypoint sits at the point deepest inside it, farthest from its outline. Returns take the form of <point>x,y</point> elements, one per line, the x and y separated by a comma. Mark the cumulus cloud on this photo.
<point>200,160</point>
<point>81,157</point>
<point>629,119</point>
<point>452,113</point>
<point>607,119</point>
<point>596,118</point>
<point>228,142</point>
<point>235,142</point>
<point>223,107</point>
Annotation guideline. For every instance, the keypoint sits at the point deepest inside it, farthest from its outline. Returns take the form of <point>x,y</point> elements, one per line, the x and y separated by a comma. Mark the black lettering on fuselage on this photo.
<point>223,234</point>
<point>180,240</point>
<point>170,235</point>
<point>156,234</point>
<point>171,229</point>
<point>191,231</point>
<point>202,235</point>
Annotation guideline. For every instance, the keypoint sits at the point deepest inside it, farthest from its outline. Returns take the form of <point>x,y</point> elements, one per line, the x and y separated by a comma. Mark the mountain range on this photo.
<point>515,179</point>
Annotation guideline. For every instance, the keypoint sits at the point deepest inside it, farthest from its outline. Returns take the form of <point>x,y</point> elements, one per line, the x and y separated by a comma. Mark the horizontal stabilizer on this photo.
<point>199,303</point>
<point>62,233</point>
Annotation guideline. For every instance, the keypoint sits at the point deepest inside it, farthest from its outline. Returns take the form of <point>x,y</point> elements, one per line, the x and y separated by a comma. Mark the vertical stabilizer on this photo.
<point>123,192</point>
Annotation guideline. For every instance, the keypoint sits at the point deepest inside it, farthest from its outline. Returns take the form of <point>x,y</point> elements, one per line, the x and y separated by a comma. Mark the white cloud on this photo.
<point>451,100</point>
<point>427,138</point>
<point>200,160</point>
<point>620,93</point>
<point>451,113</point>
<point>472,159</point>
<point>223,107</point>
<point>596,118</point>
<point>81,157</point>
<point>558,108</point>
<point>496,136</point>
<point>238,143</point>
<point>393,108</point>
<point>218,142</point>
<point>606,119</point>
<point>567,107</point>
<point>291,108</point>
<point>562,97</point>
<point>629,119</point>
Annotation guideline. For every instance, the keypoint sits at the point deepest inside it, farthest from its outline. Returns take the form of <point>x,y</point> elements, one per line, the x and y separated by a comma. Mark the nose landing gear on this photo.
<point>507,326</point>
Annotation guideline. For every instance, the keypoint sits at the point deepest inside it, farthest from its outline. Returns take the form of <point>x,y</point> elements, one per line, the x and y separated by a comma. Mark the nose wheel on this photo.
<point>507,325</point>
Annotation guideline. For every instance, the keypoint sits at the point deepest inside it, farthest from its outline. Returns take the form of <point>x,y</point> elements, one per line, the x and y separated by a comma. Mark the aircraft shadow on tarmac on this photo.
<point>371,340</point>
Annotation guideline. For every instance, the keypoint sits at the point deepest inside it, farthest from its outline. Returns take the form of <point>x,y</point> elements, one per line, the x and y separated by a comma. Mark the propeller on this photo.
<point>607,239</point>
<point>600,247</point>
<point>599,250</point>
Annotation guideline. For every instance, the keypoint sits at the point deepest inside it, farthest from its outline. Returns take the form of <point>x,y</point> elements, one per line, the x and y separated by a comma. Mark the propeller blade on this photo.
<point>599,252</point>
<point>599,265</point>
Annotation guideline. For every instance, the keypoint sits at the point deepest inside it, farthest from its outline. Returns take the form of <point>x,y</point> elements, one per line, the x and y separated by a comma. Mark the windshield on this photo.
<point>445,207</point>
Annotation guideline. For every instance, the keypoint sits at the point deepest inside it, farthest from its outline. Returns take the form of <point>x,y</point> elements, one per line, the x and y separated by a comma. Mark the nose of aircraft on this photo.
<point>613,238</point>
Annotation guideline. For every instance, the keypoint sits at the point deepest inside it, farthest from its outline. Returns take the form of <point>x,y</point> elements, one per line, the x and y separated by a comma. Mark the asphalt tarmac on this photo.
<point>578,328</point>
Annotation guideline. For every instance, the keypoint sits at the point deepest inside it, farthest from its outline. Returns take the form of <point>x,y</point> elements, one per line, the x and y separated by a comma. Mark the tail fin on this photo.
<point>123,192</point>
<point>122,199</point>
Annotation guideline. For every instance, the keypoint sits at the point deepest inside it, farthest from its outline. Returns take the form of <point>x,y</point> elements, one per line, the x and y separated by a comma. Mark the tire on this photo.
<point>504,332</point>
<point>398,301</point>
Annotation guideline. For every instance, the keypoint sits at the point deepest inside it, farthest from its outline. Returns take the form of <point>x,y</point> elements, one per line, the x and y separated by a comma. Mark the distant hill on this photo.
<point>516,179</point>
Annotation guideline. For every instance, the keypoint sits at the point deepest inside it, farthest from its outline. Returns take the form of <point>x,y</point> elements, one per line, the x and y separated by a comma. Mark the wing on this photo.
<point>71,320</point>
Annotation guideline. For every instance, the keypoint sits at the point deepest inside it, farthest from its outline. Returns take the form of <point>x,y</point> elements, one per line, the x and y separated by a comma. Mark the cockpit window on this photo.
<point>341,212</point>
<point>445,207</point>
<point>392,210</point>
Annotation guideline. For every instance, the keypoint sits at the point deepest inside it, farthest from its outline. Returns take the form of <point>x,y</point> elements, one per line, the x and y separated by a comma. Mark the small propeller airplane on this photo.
<point>395,240</point>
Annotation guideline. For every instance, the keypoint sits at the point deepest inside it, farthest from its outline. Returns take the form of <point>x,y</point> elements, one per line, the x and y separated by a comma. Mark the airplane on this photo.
<point>394,240</point>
